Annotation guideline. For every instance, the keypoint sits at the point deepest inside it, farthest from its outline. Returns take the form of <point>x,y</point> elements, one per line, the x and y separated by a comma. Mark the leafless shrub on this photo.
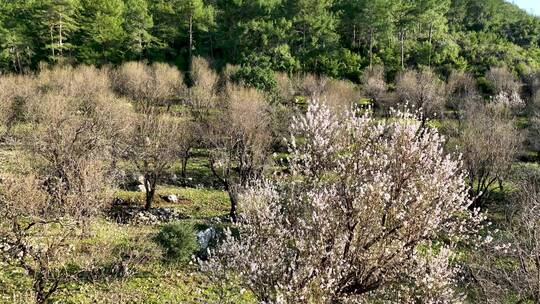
<point>489,142</point>
<point>336,93</point>
<point>311,86</point>
<point>32,236</point>
<point>72,141</point>
<point>156,84</point>
<point>423,90</point>
<point>373,83</point>
<point>154,146</point>
<point>285,88</point>
<point>340,94</point>
<point>508,266</point>
<point>85,82</point>
<point>503,80</point>
<point>461,89</point>
<point>15,93</point>
<point>239,137</point>
<point>203,95</point>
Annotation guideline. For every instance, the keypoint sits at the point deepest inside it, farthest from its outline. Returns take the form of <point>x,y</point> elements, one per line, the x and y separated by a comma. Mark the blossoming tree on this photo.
<point>370,210</point>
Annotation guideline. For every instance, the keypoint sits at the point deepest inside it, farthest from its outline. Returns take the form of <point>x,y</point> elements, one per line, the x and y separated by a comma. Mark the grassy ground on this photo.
<point>151,278</point>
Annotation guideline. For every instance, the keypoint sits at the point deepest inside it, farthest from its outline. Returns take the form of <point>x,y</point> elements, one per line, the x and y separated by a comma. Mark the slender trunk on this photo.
<point>52,41</point>
<point>234,201</point>
<point>430,43</point>
<point>234,204</point>
<point>402,42</point>
<point>39,288</point>
<point>184,165</point>
<point>190,36</point>
<point>370,48</point>
<point>60,40</point>
<point>150,188</point>
<point>354,36</point>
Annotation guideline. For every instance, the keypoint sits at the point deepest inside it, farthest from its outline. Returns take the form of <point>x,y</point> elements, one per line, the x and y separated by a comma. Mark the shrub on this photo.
<point>178,240</point>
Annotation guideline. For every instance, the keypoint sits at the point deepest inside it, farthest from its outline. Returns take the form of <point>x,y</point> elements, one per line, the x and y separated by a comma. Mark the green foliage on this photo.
<point>335,37</point>
<point>178,240</point>
<point>257,76</point>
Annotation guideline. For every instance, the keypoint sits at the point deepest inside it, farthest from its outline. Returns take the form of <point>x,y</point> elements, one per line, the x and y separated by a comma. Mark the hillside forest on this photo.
<point>269,151</point>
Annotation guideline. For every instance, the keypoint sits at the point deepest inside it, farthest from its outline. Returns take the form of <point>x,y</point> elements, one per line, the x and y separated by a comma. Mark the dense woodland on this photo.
<point>338,38</point>
<point>269,151</point>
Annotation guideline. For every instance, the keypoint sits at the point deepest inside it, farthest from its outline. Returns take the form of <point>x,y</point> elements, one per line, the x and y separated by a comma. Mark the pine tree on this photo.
<point>138,23</point>
<point>58,19</point>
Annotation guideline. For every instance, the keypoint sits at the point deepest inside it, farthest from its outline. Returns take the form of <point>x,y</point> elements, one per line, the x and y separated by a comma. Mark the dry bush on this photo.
<point>84,82</point>
<point>336,93</point>
<point>150,85</point>
<point>203,95</point>
<point>422,90</point>
<point>239,137</point>
<point>489,142</point>
<point>509,266</point>
<point>340,94</point>
<point>32,234</point>
<point>229,72</point>
<point>15,93</point>
<point>373,83</point>
<point>311,86</point>
<point>285,88</point>
<point>461,89</point>
<point>73,142</point>
<point>154,146</point>
<point>503,80</point>
<point>358,219</point>
<point>533,135</point>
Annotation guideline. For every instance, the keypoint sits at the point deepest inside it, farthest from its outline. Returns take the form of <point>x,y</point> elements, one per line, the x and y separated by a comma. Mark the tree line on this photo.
<point>339,38</point>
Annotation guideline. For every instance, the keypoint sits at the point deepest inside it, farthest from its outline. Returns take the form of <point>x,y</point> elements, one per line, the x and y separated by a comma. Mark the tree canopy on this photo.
<point>339,38</point>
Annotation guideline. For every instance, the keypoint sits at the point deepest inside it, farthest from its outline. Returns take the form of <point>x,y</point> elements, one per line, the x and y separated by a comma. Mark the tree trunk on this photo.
<point>150,188</point>
<point>60,40</point>
<point>370,48</point>
<point>52,42</point>
<point>354,37</point>
<point>190,36</point>
<point>234,202</point>
<point>184,166</point>
<point>430,43</point>
<point>402,42</point>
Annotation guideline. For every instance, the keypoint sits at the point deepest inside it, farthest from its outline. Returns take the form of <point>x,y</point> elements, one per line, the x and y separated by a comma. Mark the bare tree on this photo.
<point>239,138</point>
<point>28,238</point>
<point>285,88</point>
<point>461,90</point>
<point>503,80</point>
<point>15,93</point>
<point>422,90</point>
<point>358,219</point>
<point>509,265</point>
<point>76,125</point>
<point>489,141</point>
<point>74,122</point>
<point>151,85</point>
<point>373,83</point>
<point>203,94</point>
<point>336,93</point>
<point>154,146</point>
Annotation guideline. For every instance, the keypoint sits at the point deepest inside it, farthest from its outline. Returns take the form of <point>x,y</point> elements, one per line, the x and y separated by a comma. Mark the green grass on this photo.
<point>152,280</point>
<point>193,202</point>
